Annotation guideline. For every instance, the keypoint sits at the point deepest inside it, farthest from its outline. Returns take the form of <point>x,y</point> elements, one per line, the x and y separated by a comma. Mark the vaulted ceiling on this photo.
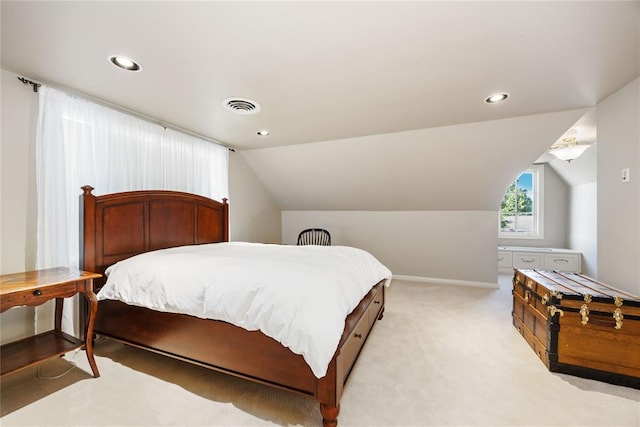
<point>327,70</point>
<point>448,168</point>
<point>386,97</point>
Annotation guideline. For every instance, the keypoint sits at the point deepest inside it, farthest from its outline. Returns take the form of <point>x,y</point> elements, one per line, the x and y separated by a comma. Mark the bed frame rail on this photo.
<point>120,225</point>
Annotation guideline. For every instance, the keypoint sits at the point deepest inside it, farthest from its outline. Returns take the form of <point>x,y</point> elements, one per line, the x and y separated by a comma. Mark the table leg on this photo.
<point>58,315</point>
<point>93,310</point>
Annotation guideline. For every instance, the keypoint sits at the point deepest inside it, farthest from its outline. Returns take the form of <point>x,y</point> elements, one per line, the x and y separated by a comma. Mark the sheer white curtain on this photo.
<point>80,142</point>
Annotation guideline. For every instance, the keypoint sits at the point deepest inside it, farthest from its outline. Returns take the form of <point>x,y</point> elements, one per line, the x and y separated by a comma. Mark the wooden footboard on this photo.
<point>248,354</point>
<point>121,225</point>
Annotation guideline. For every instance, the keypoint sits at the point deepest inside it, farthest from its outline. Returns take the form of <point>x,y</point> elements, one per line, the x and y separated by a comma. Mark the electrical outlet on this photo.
<point>624,175</point>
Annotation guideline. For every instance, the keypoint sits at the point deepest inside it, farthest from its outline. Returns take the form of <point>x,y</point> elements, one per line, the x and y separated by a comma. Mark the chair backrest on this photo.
<point>314,236</point>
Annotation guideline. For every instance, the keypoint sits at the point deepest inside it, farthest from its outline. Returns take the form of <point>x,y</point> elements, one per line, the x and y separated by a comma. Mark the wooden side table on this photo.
<point>38,287</point>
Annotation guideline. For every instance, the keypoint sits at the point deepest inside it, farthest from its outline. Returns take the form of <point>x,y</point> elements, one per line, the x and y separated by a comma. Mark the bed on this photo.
<point>118,226</point>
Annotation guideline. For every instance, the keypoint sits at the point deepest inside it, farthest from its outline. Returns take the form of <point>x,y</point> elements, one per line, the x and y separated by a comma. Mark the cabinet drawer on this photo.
<point>38,296</point>
<point>351,348</point>
<point>528,260</point>
<point>504,259</point>
<point>562,262</point>
<point>374,309</point>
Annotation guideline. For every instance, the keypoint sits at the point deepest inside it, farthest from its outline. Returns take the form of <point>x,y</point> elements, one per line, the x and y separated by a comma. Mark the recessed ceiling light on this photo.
<point>263,132</point>
<point>124,63</point>
<point>496,97</point>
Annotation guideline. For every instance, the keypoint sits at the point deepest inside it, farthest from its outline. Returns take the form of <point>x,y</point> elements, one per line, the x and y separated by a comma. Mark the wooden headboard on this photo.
<point>119,225</point>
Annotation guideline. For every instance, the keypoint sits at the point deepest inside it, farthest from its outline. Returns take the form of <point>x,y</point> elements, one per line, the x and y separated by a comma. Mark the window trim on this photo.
<point>538,207</point>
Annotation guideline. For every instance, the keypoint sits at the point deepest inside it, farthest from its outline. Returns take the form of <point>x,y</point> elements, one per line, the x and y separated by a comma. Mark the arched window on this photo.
<point>521,213</point>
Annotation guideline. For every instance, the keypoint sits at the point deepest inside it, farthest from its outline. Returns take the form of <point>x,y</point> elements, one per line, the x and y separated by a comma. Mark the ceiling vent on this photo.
<point>241,105</point>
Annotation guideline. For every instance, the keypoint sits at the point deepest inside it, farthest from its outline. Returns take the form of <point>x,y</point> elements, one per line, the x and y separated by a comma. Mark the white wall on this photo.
<point>618,119</point>
<point>253,215</point>
<point>582,230</point>
<point>19,113</point>
<point>582,210</point>
<point>17,197</point>
<point>424,201</point>
<point>455,245</point>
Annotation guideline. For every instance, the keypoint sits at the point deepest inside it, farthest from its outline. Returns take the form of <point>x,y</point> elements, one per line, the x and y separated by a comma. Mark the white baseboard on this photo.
<point>453,282</point>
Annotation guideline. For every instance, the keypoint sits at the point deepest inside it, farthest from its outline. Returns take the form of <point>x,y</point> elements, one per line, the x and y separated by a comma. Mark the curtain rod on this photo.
<point>29,82</point>
<point>108,104</point>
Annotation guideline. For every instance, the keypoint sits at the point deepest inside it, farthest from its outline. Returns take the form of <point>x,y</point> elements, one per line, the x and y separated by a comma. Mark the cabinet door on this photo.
<point>562,262</point>
<point>504,261</point>
<point>528,260</point>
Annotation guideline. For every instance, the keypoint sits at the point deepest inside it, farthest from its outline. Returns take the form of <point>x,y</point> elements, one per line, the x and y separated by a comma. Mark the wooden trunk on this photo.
<point>579,326</point>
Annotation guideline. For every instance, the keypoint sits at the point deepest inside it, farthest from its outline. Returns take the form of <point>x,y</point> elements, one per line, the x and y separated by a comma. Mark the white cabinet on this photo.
<point>562,262</point>
<point>528,260</point>
<point>510,257</point>
<point>504,259</point>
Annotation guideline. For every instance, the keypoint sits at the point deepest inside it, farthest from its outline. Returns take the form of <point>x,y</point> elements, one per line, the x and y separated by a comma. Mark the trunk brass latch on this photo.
<point>584,312</point>
<point>556,294</point>
<point>617,315</point>
<point>553,310</point>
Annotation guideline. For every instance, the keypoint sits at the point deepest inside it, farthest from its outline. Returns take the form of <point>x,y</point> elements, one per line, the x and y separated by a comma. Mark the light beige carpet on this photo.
<point>442,356</point>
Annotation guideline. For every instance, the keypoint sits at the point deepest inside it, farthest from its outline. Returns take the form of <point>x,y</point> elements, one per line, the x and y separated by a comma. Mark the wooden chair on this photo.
<point>314,236</point>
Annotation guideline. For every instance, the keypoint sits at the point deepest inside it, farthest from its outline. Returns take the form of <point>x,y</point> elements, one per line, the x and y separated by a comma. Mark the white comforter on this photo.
<point>297,295</point>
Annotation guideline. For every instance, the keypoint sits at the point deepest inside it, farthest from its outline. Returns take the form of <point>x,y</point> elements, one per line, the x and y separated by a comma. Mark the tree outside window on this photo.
<point>520,207</point>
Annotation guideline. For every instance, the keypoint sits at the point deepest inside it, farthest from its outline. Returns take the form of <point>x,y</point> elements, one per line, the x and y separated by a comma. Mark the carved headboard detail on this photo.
<point>120,225</point>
